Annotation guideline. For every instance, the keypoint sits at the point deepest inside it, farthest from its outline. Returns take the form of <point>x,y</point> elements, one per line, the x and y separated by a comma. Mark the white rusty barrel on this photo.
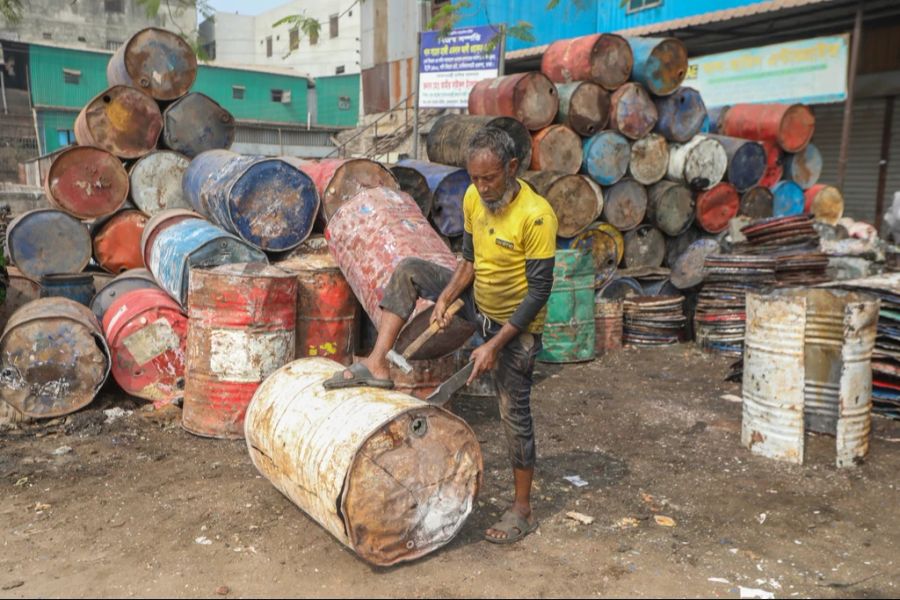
<point>389,476</point>
<point>156,182</point>
<point>701,163</point>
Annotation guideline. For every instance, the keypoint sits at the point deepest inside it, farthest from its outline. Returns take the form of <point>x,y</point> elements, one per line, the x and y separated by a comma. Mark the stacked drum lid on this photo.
<point>653,320</point>
<point>793,241</point>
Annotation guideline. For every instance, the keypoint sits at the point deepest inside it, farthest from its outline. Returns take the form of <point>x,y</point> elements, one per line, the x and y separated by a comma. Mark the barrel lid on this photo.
<point>47,240</point>
<point>86,182</point>
<point>196,123</point>
<point>717,206</point>
<point>156,181</point>
<point>110,119</point>
<point>797,127</point>
<point>826,203</point>
<point>688,269</point>
<point>160,62</point>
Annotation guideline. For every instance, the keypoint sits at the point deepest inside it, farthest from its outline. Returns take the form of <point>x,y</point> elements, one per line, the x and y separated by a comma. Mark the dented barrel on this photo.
<point>606,157</point>
<point>625,204</point>
<point>147,333</point>
<point>78,287</point>
<point>756,203</point>
<point>632,112</point>
<point>824,202</point>
<point>569,326</point>
<point>556,148</point>
<point>788,199</point>
<point>448,186</point>
<point>804,167</point>
<point>681,115</point>
<point>158,223</point>
<point>583,107</point>
<point>700,163</point>
<point>774,164</point>
<point>389,476</point>
<point>19,291</point>
<point>716,207</point>
<point>670,207</point>
<point>157,61</point>
<point>603,58</point>
<point>117,241</point>
<point>603,243</point>
<point>645,246</point>
<point>122,120</point>
<point>529,97</point>
<point>267,202</point>
<point>608,316</point>
<point>660,64</point>
<point>47,241</point>
<point>413,183</point>
<point>128,281</point>
<point>747,161</point>
<point>86,182</point>
<point>338,180</point>
<point>156,182</point>
<point>448,140</point>
<point>195,124</point>
<point>576,200</point>
<point>791,126</point>
<point>649,159</point>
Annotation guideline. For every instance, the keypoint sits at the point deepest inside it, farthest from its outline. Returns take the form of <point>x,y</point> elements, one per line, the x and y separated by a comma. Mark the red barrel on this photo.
<point>529,97</point>
<point>147,332</point>
<point>556,148</point>
<point>241,329</point>
<point>122,120</point>
<point>603,58</point>
<point>774,165</point>
<point>86,182</point>
<point>338,180</point>
<point>717,206</point>
<point>327,311</point>
<point>117,241</point>
<point>791,126</point>
<point>825,202</point>
<point>368,237</point>
<point>632,112</point>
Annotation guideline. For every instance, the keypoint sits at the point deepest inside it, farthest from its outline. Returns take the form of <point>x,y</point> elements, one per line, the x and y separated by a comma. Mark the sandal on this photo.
<point>514,526</point>
<point>362,377</point>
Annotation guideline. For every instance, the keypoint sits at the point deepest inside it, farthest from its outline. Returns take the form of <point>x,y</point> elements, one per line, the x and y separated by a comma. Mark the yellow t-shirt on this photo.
<point>526,229</point>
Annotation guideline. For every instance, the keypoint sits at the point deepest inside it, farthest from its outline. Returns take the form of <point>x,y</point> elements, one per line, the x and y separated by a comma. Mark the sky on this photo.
<point>244,7</point>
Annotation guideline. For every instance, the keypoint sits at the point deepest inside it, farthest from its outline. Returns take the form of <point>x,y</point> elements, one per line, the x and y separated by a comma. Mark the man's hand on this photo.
<point>485,358</point>
<point>439,314</point>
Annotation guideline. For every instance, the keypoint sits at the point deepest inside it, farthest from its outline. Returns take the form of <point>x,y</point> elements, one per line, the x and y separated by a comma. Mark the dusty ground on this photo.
<point>120,514</point>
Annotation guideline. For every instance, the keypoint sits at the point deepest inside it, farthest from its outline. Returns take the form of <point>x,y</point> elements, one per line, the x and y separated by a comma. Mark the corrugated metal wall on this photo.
<point>337,100</point>
<point>48,86</point>
<point>50,123</point>
<point>257,104</point>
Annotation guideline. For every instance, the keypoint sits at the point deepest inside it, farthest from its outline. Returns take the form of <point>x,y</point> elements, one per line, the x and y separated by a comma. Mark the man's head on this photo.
<point>492,165</point>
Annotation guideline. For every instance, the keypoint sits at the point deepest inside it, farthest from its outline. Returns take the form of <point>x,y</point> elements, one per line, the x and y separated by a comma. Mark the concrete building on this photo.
<point>101,24</point>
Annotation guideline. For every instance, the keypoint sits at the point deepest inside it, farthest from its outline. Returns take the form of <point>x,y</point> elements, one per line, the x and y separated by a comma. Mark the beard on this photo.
<point>496,206</point>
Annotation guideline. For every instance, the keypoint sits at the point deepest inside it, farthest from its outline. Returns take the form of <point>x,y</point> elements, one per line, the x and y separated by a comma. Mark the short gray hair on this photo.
<point>496,141</point>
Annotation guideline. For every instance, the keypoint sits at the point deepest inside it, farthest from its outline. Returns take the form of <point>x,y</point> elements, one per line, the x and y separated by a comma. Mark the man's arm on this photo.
<point>462,278</point>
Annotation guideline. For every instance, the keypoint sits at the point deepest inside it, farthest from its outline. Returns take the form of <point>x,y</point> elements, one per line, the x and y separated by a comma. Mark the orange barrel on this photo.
<point>121,284</point>
<point>805,167</point>
<point>576,199</point>
<point>644,247</point>
<point>791,126</point>
<point>825,202</point>
<point>368,237</point>
<point>556,148</point>
<point>241,330</point>
<point>157,61</point>
<point>53,357</point>
<point>327,311</point>
<point>529,97</point>
<point>757,203</point>
<point>338,180</point>
<point>774,165</point>
<point>607,326</point>
<point>415,184</point>
<point>158,223</point>
<point>700,163</point>
<point>19,291</point>
<point>632,112</point>
<point>670,207</point>
<point>156,182</point>
<point>681,115</point>
<point>117,240</point>
<point>583,107</point>
<point>86,182</point>
<point>660,64</point>
<point>625,204</point>
<point>649,159</point>
<point>121,120</point>
<point>716,207</point>
<point>448,140</point>
<point>603,58</point>
<point>195,124</point>
<point>147,333</point>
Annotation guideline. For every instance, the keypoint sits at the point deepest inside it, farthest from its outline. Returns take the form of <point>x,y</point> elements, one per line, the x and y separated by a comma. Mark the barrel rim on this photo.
<point>192,58</point>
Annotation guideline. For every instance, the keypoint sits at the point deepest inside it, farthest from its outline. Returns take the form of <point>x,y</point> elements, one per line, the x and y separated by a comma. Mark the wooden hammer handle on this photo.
<point>433,328</point>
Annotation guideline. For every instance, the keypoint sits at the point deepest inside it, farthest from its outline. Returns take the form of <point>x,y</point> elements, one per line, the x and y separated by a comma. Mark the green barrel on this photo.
<point>569,328</point>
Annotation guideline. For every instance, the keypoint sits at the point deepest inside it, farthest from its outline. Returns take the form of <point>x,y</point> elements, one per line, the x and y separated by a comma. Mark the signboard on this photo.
<point>450,67</point>
<point>808,71</point>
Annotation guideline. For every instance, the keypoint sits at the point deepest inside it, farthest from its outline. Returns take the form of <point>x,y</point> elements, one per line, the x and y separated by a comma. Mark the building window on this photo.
<point>294,38</point>
<point>344,103</point>
<point>636,5</point>
<point>237,92</point>
<point>339,70</point>
<point>333,25</point>
<point>277,95</point>
<point>46,35</point>
<point>65,137</point>
<point>113,44</point>
<point>72,76</point>
<point>115,6</point>
<point>81,38</point>
<point>269,46</point>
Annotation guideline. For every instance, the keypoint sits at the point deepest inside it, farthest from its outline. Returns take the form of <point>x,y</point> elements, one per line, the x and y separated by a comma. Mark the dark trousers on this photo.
<point>416,278</point>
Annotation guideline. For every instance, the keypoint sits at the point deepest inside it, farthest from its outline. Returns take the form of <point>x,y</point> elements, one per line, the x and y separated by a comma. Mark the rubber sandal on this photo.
<point>514,526</point>
<point>362,377</point>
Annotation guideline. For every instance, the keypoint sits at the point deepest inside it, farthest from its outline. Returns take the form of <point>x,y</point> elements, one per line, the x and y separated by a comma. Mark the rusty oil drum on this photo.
<point>147,333</point>
<point>576,199</point>
<point>19,291</point>
<point>241,330</point>
<point>791,126</point>
<point>351,459</point>
<point>46,241</point>
<point>448,140</point>
<point>681,115</point>
<point>529,97</point>
<point>608,316</point>
<point>625,204</point>
<point>824,202</point>
<point>122,120</point>
<point>644,247</point>
<point>649,159</point>
<point>53,358</point>
<point>606,157</point>
<point>158,223</point>
<point>747,161</point>
<point>117,241</point>
<point>448,186</point>
<point>660,64</point>
<point>789,199</point>
<point>670,207</point>
<point>569,327</point>
<point>195,124</point>
<point>805,167</point>
<point>121,284</point>
<point>632,112</point>
<point>368,237</point>
<point>716,207</point>
<point>338,180</point>
<point>700,163</point>
<point>412,182</point>
<point>556,148</point>
<point>756,203</point>
<point>583,107</point>
<point>157,61</point>
<point>156,182</point>
<point>78,287</point>
<point>86,182</point>
<point>603,58</point>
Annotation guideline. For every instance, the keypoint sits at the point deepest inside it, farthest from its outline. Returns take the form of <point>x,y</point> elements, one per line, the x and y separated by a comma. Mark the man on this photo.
<point>505,279</point>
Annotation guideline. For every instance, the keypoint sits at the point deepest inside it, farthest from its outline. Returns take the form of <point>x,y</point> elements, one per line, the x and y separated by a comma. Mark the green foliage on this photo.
<point>11,11</point>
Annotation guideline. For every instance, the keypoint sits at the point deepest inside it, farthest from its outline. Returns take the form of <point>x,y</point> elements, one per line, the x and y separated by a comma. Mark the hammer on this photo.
<point>402,360</point>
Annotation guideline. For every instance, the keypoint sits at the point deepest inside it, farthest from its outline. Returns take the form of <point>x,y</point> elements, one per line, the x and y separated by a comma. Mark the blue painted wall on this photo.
<point>572,18</point>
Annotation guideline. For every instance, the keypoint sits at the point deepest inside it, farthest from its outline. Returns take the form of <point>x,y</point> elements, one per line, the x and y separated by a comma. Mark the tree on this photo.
<point>176,8</point>
<point>11,11</point>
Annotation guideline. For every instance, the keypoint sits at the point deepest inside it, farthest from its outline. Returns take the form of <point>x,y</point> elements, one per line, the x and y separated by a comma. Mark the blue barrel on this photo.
<point>746,161</point>
<point>195,243</point>
<point>46,241</point>
<point>681,115</point>
<point>660,64</point>
<point>448,186</point>
<point>606,157</point>
<point>789,200</point>
<point>805,167</point>
<point>78,287</point>
<point>264,201</point>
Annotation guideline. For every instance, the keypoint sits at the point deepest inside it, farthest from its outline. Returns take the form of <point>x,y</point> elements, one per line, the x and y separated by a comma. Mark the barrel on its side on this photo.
<point>644,247</point>
<point>774,164</point>
<point>700,163</point>
<point>357,456</point>
<point>625,204</point>
<point>78,287</point>
<point>605,246</point>
<point>805,167</point>
<point>569,328</point>
<point>197,123</point>
<point>156,182</point>
<point>604,58</point>
<point>789,200</point>
<point>756,203</point>
<point>576,200</point>
<point>618,288</point>
<point>791,126</point>
<point>606,157</point>
<point>660,64</point>
<point>632,112</point>
<point>825,203</point>
<point>448,186</point>
<point>649,159</point>
<point>583,107</point>
<point>681,115</point>
<point>670,207</point>
<point>556,148</point>
<point>747,161</point>
<point>53,358</point>
<point>529,97</point>
<point>716,207</point>
<point>448,140</point>
<point>117,241</point>
<point>19,291</point>
<point>414,183</point>
<point>122,120</point>
<point>338,180</point>
<point>157,61</point>
<point>47,241</point>
<point>241,330</point>
<point>158,223</point>
<point>133,279</point>
<point>86,182</point>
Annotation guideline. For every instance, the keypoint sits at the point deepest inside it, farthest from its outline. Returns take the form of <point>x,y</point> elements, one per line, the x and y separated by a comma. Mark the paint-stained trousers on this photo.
<point>416,278</point>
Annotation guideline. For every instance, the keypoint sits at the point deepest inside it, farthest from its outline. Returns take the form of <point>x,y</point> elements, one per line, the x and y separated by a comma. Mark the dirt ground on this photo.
<point>123,512</point>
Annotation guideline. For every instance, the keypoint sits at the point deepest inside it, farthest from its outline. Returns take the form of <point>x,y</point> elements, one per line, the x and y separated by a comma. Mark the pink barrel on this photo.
<point>369,236</point>
<point>146,331</point>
